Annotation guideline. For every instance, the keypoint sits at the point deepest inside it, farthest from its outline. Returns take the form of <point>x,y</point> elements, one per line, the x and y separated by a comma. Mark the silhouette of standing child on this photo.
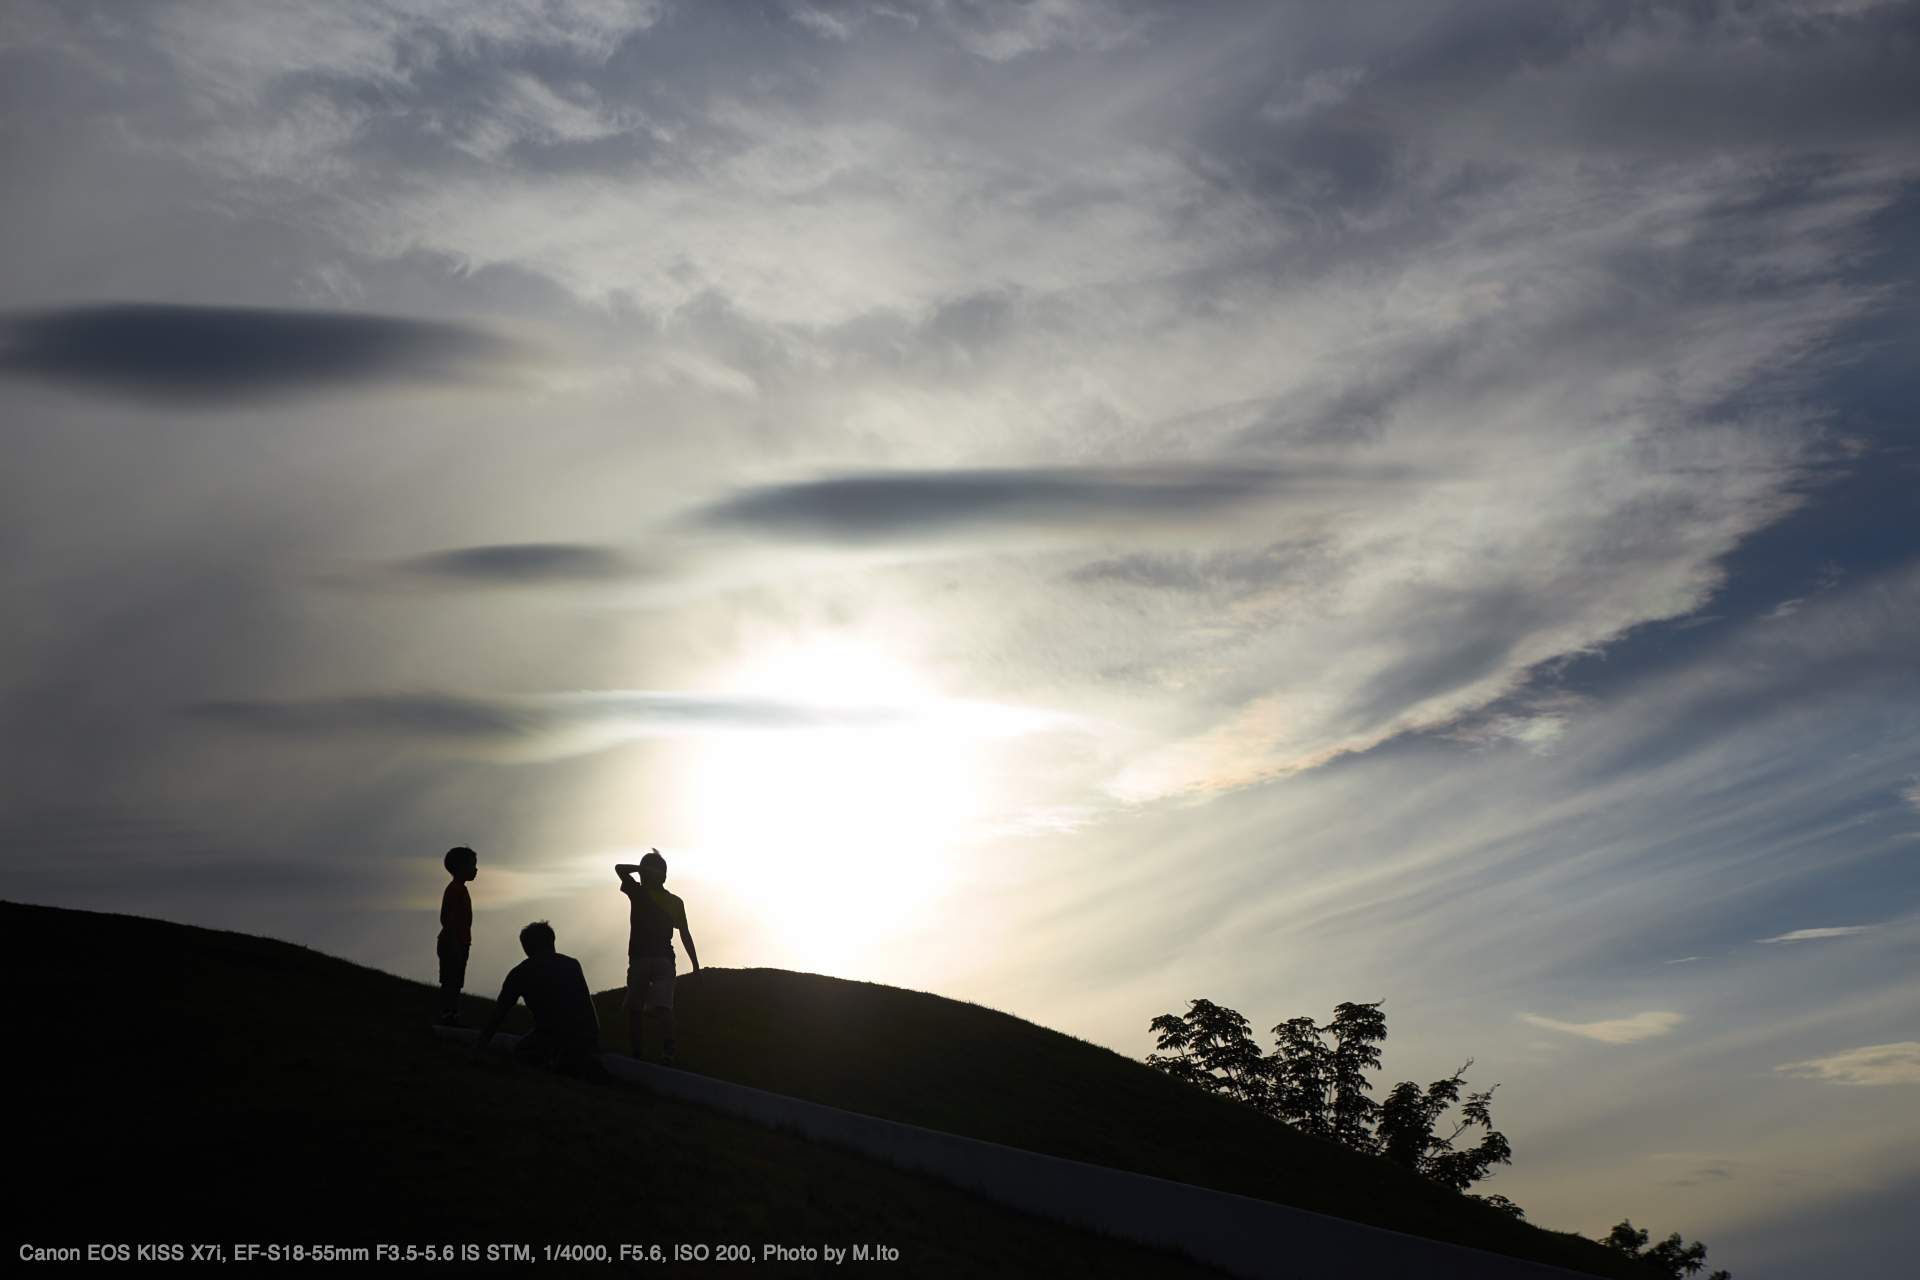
<point>655,914</point>
<point>455,943</point>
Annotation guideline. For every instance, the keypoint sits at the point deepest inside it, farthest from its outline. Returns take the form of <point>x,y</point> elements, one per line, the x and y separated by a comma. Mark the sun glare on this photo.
<point>833,840</point>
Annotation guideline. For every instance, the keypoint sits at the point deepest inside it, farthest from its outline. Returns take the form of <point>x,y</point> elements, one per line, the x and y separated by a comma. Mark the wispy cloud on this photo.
<point>1812,75</point>
<point>540,727</point>
<point>1641,1026</point>
<point>1085,333</point>
<point>1873,1064</point>
<point>1805,935</point>
<point>117,859</point>
<point>1698,1169</point>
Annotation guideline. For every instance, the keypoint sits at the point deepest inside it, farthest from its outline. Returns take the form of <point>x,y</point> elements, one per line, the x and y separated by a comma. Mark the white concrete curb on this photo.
<point>1256,1239</point>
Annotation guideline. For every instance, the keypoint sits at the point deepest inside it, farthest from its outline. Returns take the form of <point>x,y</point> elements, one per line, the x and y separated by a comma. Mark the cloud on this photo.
<point>114,858</point>
<point>845,521</point>
<point>194,355</point>
<point>1641,1026</point>
<point>1122,502</point>
<point>1762,77</point>
<point>1700,1168</point>
<point>1802,935</point>
<point>1872,1065</point>
<point>1558,352</point>
<point>236,50</point>
<point>520,565</point>
<point>540,727</point>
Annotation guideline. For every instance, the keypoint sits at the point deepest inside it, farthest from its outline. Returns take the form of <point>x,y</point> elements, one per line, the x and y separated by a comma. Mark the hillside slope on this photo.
<point>188,1084</point>
<point>182,1085</point>
<point>960,1068</point>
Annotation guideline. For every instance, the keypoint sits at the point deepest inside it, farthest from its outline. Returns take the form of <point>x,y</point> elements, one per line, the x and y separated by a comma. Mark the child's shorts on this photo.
<point>649,982</point>
<point>453,961</point>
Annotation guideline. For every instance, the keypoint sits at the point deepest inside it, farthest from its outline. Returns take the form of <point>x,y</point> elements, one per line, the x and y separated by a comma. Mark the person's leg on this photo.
<point>582,1061</point>
<point>537,1049</point>
<point>668,1053</point>
<point>660,1005</point>
<point>635,1005</point>
<point>453,976</point>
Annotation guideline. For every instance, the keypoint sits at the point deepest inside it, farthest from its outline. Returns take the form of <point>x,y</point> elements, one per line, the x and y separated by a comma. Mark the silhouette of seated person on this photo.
<point>566,1030</point>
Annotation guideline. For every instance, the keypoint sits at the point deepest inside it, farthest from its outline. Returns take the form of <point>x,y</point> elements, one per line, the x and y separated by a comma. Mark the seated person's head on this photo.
<point>462,862</point>
<point>537,938</point>
<point>653,870</point>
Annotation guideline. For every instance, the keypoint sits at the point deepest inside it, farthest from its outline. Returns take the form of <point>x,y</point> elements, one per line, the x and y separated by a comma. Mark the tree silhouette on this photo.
<point>1316,1080</point>
<point>1319,1074</point>
<point>1212,1048</point>
<point>1406,1132</point>
<point>1671,1259</point>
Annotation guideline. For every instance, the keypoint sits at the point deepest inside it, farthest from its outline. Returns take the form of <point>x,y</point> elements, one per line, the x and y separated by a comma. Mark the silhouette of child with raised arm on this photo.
<point>455,943</point>
<point>655,914</point>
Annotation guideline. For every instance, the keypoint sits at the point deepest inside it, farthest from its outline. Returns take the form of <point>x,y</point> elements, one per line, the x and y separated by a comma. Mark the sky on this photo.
<point>1076,506</point>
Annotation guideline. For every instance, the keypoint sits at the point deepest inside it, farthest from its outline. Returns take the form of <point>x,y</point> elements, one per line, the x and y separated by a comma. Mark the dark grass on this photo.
<point>960,1068</point>
<point>176,1084</point>
<point>181,1085</point>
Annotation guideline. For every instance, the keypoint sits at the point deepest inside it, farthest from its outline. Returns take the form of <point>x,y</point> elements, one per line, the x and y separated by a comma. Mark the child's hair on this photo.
<point>537,936</point>
<point>653,869</point>
<point>459,856</point>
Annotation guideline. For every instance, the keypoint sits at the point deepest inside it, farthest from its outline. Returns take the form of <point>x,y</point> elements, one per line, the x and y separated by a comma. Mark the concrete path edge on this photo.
<point>1254,1239</point>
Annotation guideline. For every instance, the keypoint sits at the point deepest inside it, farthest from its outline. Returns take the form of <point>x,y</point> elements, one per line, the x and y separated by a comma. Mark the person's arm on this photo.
<point>686,940</point>
<point>590,1009</point>
<point>628,870</point>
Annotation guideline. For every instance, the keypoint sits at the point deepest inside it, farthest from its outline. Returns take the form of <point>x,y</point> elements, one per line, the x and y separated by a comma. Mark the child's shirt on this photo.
<point>654,916</point>
<point>456,914</point>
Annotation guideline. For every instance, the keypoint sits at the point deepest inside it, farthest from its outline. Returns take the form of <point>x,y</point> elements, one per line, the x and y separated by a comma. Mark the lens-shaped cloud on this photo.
<point>195,355</point>
<point>522,564</point>
<point>913,506</point>
<point>1873,1064</point>
<point>1807,935</point>
<point>844,521</point>
<point>537,727</point>
<point>1641,1026</point>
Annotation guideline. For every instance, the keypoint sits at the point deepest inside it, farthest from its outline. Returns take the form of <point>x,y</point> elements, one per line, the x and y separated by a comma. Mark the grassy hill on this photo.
<point>960,1068</point>
<point>188,1085</point>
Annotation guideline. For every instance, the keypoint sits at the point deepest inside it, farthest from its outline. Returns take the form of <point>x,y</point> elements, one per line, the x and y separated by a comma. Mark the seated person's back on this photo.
<point>555,989</point>
<point>566,1030</point>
